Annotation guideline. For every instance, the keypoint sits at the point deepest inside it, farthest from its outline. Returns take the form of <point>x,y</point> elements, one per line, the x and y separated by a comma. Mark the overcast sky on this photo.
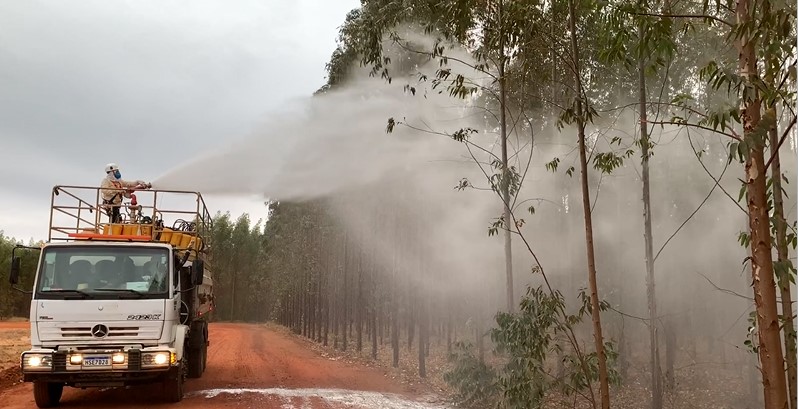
<point>145,84</point>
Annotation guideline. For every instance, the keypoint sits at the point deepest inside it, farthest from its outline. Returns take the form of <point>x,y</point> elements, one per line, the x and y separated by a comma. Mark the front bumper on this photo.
<point>98,367</point>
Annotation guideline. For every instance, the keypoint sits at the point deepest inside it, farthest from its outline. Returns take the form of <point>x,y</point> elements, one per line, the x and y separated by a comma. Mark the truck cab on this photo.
<point>118,304</point>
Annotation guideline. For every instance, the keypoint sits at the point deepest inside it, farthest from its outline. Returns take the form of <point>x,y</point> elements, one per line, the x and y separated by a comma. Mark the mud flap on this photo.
<point>179,338</point>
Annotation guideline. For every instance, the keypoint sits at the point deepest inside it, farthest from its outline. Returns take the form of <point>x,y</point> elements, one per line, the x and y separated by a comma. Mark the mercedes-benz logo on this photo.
<point>99,331</point>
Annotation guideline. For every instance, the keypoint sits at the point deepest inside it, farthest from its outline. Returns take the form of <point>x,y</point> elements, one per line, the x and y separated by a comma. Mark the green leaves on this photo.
<point>15,303</point>
<point>570,171</point>
<point>744,239</point>
<point>496,225</point>
<point>717,76</point>
<point>606,162</point>
<point>752,337</point>
<point>524,343</point>
<point>551,166</point>
<point>722,119</point>
<point>462,135</point>
<point>784,269</point>
<point>456,87</point>
<point>475,383</point>
<point>238,250</point>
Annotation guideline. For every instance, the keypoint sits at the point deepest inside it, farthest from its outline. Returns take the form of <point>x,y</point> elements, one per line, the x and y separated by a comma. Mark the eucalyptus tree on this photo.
<point>495,32</point>
<point>757,77</point>
<point>16,303</point>
<point>643,45</point>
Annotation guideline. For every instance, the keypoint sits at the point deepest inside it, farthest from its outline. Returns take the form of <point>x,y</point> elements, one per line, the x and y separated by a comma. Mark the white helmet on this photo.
<point>111,167</point>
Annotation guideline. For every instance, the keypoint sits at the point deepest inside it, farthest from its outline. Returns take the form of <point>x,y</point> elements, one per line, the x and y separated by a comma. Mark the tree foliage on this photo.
<point>15,303</point>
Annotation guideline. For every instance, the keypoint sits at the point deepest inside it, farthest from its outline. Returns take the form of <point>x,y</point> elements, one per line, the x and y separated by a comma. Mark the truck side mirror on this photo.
<point>198,272</point>
<point>13,277</point>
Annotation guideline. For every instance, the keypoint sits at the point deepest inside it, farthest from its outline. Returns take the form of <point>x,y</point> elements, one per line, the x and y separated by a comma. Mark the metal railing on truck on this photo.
<point>177,217</point>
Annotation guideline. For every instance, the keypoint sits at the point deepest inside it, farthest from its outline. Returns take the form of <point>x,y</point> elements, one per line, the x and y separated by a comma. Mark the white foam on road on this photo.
<point>356,399</point>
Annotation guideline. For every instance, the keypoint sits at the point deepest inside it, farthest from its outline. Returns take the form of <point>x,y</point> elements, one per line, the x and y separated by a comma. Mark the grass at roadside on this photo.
<point>12,343</point>
<point>13,340</point>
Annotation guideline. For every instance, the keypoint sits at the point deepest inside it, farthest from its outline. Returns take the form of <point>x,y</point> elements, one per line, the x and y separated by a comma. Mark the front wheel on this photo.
<point>47,394</point>
<point>173,385</point>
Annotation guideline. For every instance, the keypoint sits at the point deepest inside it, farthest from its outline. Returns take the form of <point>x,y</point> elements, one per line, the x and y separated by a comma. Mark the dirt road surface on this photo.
<point>249,366</point>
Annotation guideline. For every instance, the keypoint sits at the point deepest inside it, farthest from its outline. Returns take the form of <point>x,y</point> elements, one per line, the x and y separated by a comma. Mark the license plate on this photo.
<point>96,361</point>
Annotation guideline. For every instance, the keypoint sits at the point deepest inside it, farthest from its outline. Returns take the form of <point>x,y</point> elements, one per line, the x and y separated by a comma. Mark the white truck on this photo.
<point>119,304</point>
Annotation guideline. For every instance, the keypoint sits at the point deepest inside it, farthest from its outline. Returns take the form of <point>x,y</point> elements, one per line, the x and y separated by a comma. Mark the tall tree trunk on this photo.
<point>449,329</point>
<point>623,348</point>
<point>411,320</point>
<point>764,286</point>
<point>422,334</point>
<point>479,339</point>
<point>315,332</point>
<point>591,259</point>
<point>344,299</point>
<point>359,305</point>
<point>327,293</point>
<point>784,261</point>
<point>395,315</point>
<point>505,180</point>
<point>373,333</point>
<point>336,299</point>
<point>656,382</point>
<point>375,309</point>
<point>754,380</point>
<point>233,296</point>
<point>381,321</point>
<point>670,354</point>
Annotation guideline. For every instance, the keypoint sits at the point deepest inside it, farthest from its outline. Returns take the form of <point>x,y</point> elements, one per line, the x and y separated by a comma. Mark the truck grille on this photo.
<point>134,359</point>
<point>59,361</point>
<point>64,333</point>
<point>85,332</point>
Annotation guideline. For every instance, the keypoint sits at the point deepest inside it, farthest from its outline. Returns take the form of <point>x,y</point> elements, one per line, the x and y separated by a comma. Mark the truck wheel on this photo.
<point>204,357</point>
<point>198,350</point>
<point>195,362</point>
<point>173,385</point>
<point>205,345</point>
<point>47,394</point>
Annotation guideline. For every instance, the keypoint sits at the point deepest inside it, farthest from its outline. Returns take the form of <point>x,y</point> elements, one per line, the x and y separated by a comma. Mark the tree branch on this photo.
<point>698,16</point>
<point>432,55</point>
<point>717,183</point>
<point>706,128</point>
<point>781,141</point>
<point>723,290</point>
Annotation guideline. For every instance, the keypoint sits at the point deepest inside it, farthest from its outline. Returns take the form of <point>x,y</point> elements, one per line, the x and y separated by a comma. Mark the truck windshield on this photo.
<point>99,272</point>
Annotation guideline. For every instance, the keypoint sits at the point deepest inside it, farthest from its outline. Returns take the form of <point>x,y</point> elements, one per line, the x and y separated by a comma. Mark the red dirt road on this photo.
<point>5,325</point>
<point>249,366</point>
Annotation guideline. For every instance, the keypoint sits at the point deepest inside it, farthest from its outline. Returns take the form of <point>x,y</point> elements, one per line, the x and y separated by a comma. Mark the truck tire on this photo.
<point>195,364</point>
<point>198,348</point>
<point>204,357</point>
<point>173,385</point>
<point>47,394</point>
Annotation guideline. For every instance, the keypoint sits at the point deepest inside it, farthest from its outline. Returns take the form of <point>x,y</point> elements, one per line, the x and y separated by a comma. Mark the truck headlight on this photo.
<point>118,358</point>
<point>160,358</point>
<point>37,362</point>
